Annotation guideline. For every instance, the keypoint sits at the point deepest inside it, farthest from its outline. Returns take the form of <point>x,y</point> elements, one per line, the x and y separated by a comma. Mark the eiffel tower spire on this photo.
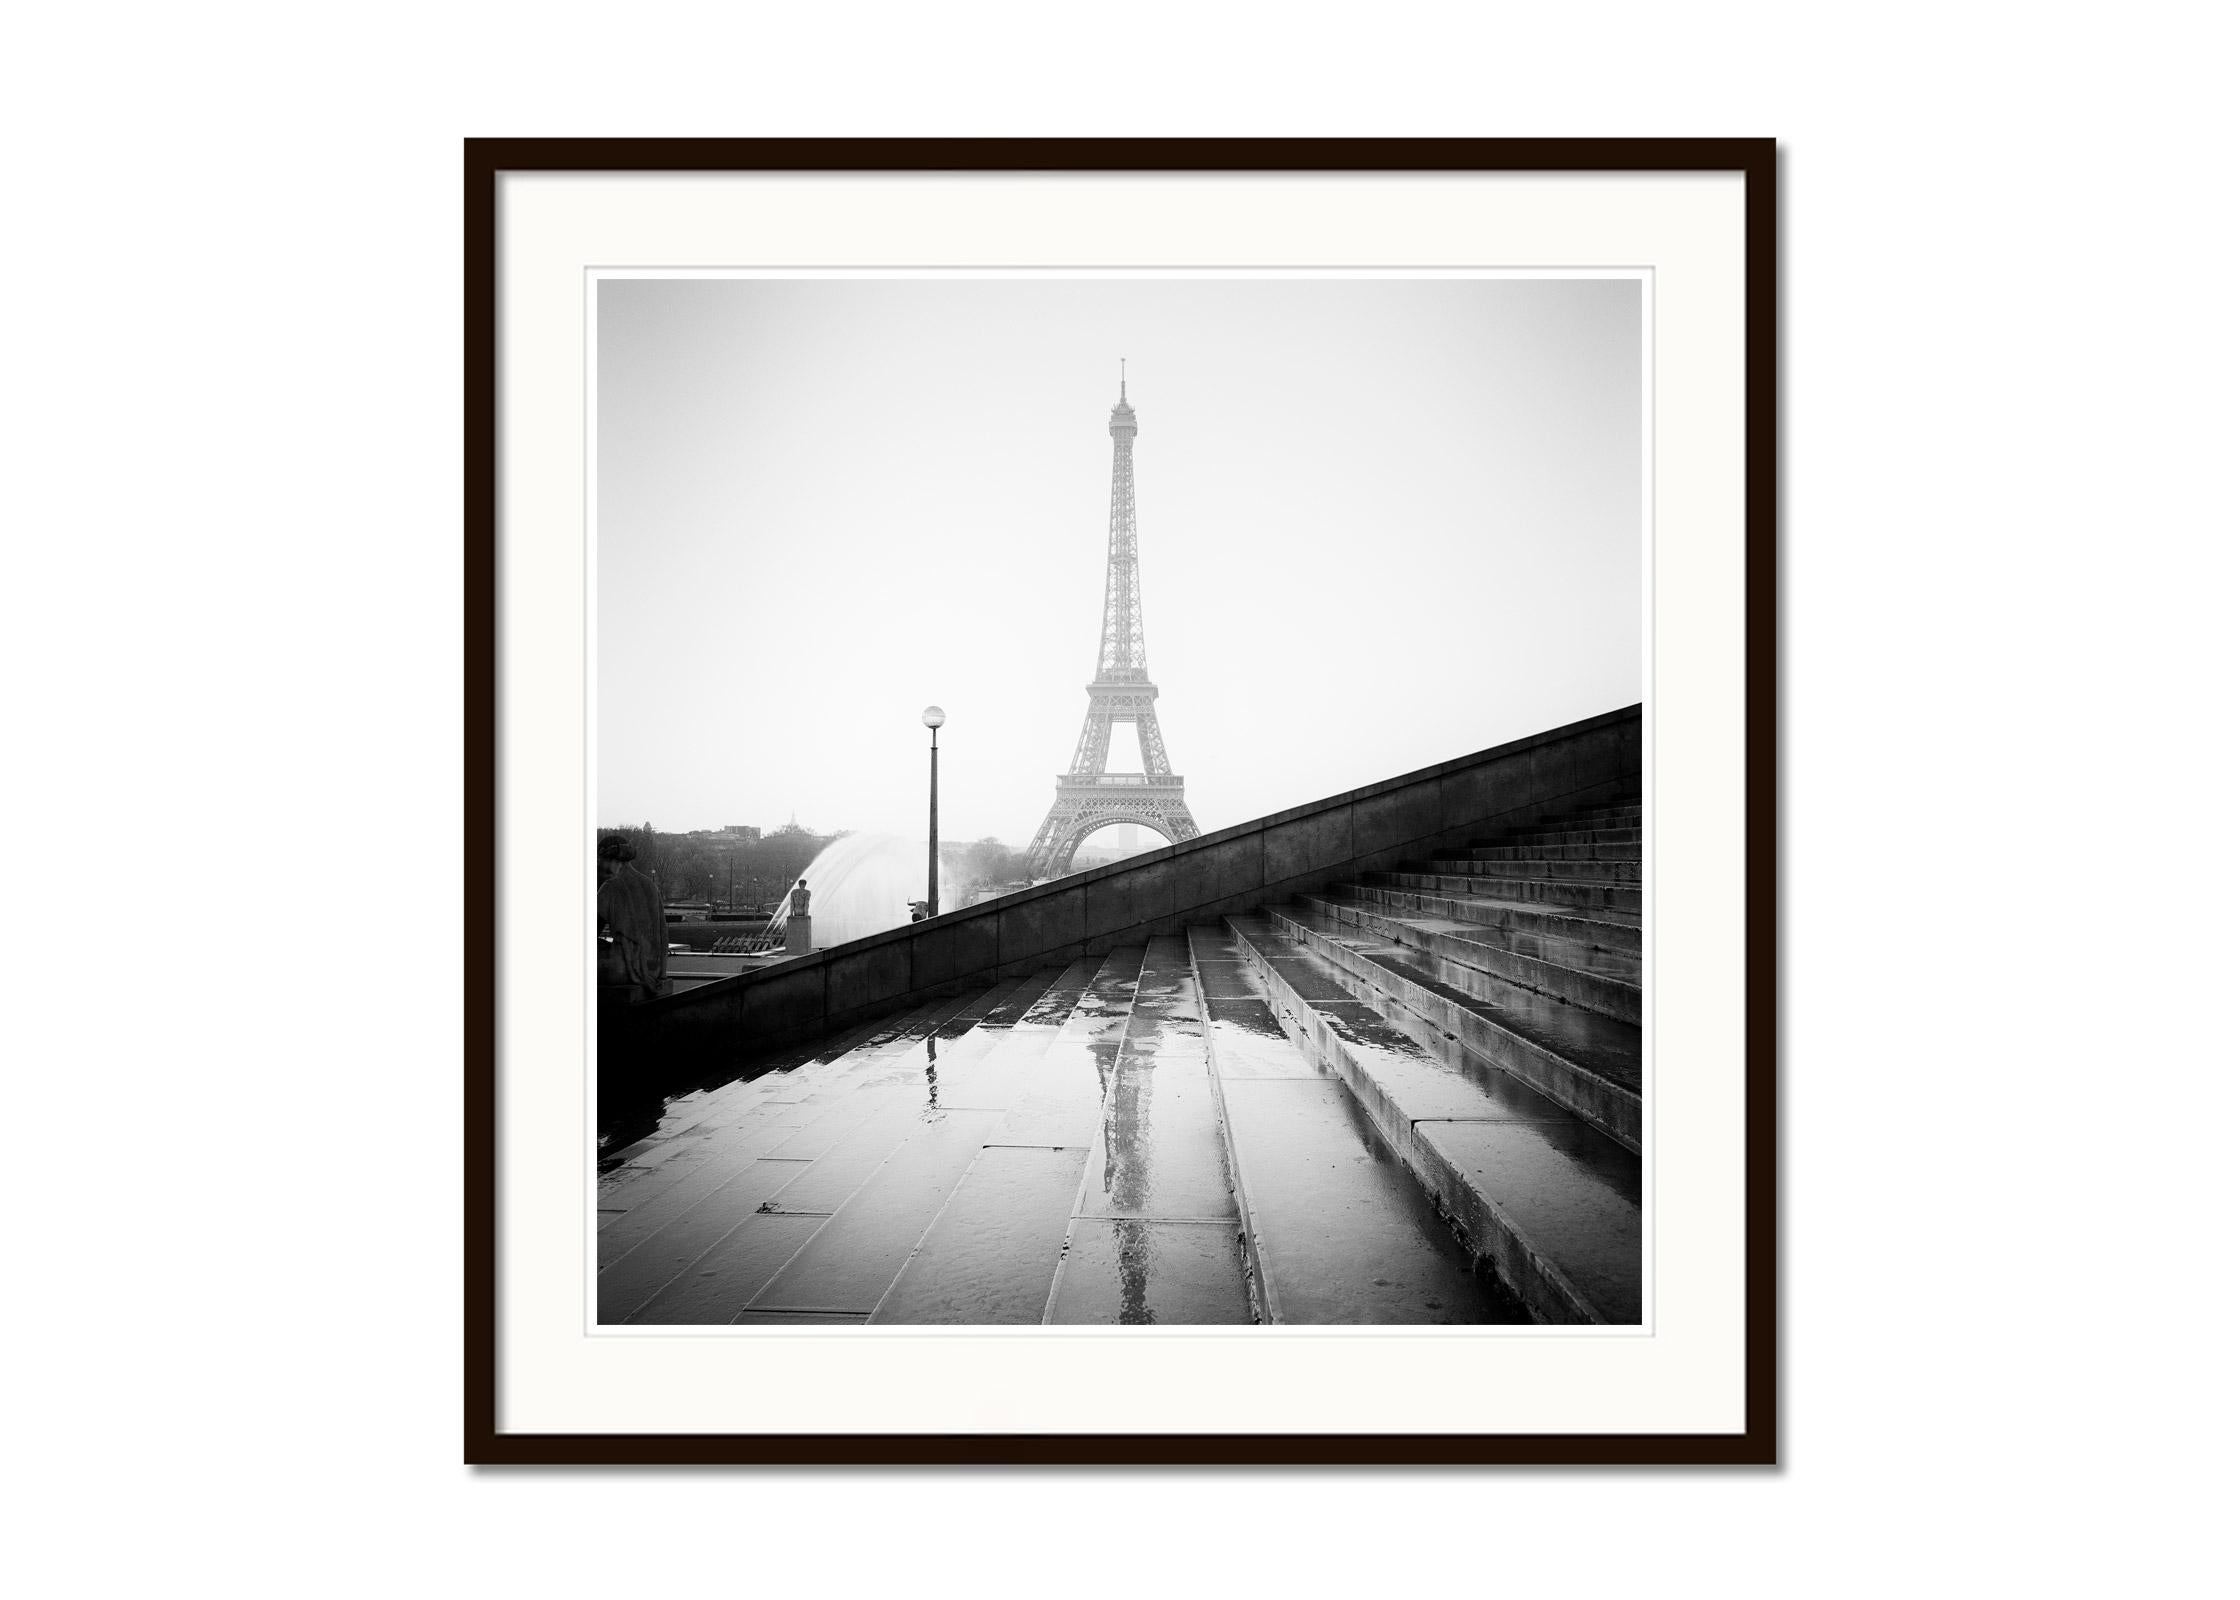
<point>1120,655</point>
<point>1089,797</point>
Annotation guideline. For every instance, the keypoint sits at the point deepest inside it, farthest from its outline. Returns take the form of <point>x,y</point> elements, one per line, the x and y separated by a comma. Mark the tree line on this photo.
<point>725,869</point>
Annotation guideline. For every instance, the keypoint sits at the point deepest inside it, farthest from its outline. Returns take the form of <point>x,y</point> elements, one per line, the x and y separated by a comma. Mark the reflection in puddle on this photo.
<point>1135,1273</point>
<point>1127,1140</point>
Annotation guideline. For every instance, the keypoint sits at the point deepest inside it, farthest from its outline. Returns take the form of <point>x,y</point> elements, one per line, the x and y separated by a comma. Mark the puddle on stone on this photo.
<point>1146,1274</point>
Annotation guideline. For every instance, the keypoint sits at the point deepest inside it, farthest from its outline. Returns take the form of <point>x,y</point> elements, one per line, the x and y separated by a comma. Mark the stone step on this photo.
<point>1510,850</point>
<point>1493,963</point>
<point>1580,835</point>
<point>1603,930</point>
<point>987,1257</point>
<point>1618,816</point>
<point>715,1244</point>
<point>1552,1204</point>
<point>1061,1101</point>
<point>1009,1067</point>
<point>947,1051</point>
<point>1337,1229</point>
<point>975,1031</point>
<point>1159,1155</point>
<point>855,1253</point>
<point>1499,880</point>
<point>997,1252</point>
<point>702,1127</point>
<point>1050,1007</point>
<point>1155,1236</point>
<point>1018,999</point>
<point>799,1158</point>
<point>766,1077</point>
<point>1025,1126</point>
<point>795,1080</point>
<point>1586,1062</point>
<point>1625,818</point>
<point>1495,858</point>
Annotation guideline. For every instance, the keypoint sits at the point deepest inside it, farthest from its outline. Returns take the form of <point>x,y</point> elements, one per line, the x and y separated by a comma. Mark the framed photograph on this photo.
<point>1122,797</point>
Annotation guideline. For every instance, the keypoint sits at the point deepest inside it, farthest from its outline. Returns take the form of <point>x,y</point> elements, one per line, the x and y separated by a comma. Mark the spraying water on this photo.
<point>861,885</point>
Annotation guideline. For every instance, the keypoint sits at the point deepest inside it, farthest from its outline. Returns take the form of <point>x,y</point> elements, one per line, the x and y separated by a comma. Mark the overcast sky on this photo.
<point>1382,523</point>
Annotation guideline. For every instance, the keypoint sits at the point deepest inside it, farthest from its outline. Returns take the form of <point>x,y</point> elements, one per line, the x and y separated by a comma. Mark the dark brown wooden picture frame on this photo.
<point>488,162</point>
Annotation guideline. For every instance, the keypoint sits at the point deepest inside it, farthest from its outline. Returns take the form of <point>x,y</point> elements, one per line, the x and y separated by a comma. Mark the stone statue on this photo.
<point>797,921</point>
<point>636,958</point>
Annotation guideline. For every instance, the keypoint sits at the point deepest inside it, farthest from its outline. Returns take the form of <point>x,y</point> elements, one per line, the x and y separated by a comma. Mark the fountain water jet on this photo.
<point>860,885</point>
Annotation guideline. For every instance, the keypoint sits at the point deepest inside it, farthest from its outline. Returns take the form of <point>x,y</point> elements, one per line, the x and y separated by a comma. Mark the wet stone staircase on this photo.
<point>1413,1098</point>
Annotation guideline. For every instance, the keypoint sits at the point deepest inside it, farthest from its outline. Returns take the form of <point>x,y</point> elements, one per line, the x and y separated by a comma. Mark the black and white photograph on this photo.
<point>1118,800</point>
<point>1155,800</point>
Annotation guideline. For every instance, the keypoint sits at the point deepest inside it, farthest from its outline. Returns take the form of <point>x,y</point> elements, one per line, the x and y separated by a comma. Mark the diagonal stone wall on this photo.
<point>1161,891</point>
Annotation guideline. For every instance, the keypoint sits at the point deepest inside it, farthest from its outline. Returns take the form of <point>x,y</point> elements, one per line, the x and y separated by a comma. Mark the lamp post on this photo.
<point>933,719</point>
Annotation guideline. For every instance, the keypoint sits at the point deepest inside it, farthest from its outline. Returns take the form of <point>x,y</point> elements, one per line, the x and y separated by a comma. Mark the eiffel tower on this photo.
<point>1089,797</point>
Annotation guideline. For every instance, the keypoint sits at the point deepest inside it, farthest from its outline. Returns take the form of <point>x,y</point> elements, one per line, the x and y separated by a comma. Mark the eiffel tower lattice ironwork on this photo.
<point>1089,797</point>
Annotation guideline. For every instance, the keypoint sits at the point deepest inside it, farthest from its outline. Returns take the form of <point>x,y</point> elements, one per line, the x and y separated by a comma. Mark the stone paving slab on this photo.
<point>1557,1193</point>
<point>848,1264</point>
<point>947,1055</point>
<point>895,1115</point>
<point>632,1277</point>
<point>652,1212</point>
<point>831,1119</point>
<point>1005,1067</point>
<point>995,1082</point>
<point>702,1133</point>
<point>983,1006</point>
<point>1343,1233</point>
<point>1022,998</point>
<point>627,1188</point>
<point>1057,1002</point>
<point>989,1257</point>
<point>1243,1038</point>
<point>1159,1153</point>
<point>649,1157</point>
<point>1138,1273</point>
<point>822,1098</point>
<point>1243,1050</point>
<point>1062,1101</point>
<point>714,1287</point>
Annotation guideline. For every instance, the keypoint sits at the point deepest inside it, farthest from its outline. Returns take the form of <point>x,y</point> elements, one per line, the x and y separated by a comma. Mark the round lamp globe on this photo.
<point>934,717</point>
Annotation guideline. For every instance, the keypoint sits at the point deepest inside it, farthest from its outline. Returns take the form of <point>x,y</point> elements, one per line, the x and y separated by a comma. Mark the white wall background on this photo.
<point>231,641</point>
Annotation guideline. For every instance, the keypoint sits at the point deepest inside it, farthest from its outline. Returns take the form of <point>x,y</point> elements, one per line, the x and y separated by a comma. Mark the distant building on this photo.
<point>728,837</point>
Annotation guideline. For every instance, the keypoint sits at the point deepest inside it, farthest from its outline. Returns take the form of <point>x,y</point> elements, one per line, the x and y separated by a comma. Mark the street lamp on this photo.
<point>933,718</point>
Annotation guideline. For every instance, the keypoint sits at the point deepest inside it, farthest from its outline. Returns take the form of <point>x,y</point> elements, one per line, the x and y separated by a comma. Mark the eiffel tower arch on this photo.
<point>1089,797</point>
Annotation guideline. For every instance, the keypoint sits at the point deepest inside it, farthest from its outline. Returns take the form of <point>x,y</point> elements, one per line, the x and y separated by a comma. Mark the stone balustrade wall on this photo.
<point>1161,891</point>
